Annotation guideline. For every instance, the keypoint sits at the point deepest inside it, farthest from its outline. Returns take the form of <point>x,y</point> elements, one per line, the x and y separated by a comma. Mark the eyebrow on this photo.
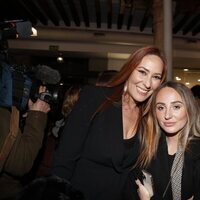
<point>174,102</point>
<point>143,68</point>
<point>148,70</point>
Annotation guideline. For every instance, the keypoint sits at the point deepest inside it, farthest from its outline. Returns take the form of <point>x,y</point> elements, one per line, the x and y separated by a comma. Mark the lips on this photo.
<point>142,91</point>
<point>168,124</point>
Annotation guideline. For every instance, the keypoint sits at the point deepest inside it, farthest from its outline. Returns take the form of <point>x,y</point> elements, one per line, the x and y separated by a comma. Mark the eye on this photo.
<point>142,72</point>
<point>160,107</point>
<point>176,107</point>
<point>157,77</point>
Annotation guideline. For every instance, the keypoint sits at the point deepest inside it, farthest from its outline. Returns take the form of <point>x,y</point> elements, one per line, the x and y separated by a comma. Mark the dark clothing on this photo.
<point>24,151</point>
<point>91,153</point>
<point>161,166</point>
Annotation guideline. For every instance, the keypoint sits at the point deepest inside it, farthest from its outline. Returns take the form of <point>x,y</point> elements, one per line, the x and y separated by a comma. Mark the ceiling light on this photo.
<point>34,32</point>
<point>198,80</point>
<point>185,70</point>
<point>178,78</point>
<point>187,83</point>
<point>60,58</point>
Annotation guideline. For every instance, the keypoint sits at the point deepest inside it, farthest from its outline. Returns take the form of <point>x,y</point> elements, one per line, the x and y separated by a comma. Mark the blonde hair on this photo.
<point>151,129</point>
<point>70,98</point>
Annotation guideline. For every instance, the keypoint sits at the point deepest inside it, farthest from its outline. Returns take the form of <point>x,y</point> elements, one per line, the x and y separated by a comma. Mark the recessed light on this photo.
<point>178,78</point>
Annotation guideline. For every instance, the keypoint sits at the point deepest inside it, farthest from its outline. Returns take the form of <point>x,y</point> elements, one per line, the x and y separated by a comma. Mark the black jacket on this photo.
<point>160,170</point>
<point>91,152</point>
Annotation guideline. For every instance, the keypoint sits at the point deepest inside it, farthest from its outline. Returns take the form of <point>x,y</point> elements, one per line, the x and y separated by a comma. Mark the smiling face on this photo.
<point>145,78</point>
<point>171,111</point>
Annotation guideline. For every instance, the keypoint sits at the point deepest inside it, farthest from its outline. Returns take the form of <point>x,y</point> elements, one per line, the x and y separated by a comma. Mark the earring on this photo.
<point>125,88</point>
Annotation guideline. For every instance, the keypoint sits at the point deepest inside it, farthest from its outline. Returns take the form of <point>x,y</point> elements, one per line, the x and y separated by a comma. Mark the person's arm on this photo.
<point>28,143</point>
<point>75,132</point>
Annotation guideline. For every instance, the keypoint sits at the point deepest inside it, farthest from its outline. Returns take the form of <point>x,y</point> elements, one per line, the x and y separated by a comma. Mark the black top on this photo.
<point>161,166</point>
<point>92,153</point>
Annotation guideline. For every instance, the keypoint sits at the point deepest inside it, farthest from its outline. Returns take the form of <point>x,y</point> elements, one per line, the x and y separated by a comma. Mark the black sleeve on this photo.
<point>75,132</point>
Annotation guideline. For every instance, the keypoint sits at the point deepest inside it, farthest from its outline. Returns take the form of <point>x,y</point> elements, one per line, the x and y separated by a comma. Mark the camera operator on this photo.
<point>25,148</point>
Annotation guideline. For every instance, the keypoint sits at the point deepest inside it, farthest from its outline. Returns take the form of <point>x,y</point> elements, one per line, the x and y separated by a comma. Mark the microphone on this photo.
<point>47,74</point>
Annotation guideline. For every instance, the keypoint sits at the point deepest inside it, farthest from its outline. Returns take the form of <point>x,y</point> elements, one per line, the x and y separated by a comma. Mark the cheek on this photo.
<point>183,120</point>
<point>159,116</point>
<point>156,84</point>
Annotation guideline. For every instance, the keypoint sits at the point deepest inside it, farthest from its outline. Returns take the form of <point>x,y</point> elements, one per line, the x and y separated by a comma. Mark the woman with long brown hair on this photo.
<point>100,143</point>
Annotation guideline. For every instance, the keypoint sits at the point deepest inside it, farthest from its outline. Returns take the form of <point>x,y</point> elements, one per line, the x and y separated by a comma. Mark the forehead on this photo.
<point>168,94</point>
<point>152,63</point>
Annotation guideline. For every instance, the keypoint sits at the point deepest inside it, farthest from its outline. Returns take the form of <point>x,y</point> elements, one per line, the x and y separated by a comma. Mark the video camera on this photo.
<point>19,83</point>
<point>13,29</point>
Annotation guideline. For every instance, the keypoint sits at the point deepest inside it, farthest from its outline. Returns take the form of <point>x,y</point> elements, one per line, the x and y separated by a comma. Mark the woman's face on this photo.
<point>171,111</point>
<point>145,78</point>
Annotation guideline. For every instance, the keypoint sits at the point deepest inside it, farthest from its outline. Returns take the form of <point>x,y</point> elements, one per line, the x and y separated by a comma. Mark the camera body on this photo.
<point>19,83</point>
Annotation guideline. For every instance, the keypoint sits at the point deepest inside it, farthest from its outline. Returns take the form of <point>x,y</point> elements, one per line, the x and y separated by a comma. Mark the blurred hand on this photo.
<point>39,105</point>
<point>142,191</point>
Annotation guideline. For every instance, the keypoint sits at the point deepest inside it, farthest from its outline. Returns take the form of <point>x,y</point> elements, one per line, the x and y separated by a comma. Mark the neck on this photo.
<point>128,103</point>
<point>172,144</point>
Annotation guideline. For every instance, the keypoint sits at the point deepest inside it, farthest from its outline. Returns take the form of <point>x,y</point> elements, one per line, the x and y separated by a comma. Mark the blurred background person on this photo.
<point>70,98</point>
<point>104,77</point>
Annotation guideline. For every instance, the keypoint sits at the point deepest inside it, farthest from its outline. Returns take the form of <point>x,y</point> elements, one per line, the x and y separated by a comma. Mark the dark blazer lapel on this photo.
<point>116,138</point>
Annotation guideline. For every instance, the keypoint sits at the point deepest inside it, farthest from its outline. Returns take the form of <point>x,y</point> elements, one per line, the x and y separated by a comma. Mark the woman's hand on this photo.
<point>142,191</point>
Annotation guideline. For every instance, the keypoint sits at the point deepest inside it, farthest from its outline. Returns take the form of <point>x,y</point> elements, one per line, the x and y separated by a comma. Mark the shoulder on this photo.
<point>194,148</point>
<point>96,91</point>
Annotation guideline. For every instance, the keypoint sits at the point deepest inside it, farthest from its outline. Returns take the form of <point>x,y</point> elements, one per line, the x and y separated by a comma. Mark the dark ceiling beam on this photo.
<point>46,7</point>
<point>98,13</point>
<point>74,12</point>
<point>85,12</point>
<point>146,16</point>
<point>6,13</point>
<point>130,18</point>
<point>181,23</point>
<point>33,8</point>
<point>120,17</point>
<point>17,14</point>
<point>196,30</point>
<point>191,24</point>
<point>60,7</point>
<point>109,14</point>
<point>125,5</point>
<point>26,12</point>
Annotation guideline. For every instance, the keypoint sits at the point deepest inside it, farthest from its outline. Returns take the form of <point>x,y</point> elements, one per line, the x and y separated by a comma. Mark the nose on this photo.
<point>147,82</point>
<point>168,113</point>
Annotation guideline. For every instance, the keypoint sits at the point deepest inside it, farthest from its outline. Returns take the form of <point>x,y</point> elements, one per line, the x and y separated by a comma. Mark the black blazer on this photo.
<point>91,152</point>
<point>160,170</point>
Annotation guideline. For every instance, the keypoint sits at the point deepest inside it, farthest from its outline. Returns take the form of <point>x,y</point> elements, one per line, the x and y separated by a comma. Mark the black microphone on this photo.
<point>47,75</point>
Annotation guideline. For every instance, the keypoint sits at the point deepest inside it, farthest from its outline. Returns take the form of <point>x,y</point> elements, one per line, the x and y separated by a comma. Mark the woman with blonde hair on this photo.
<point>175,167</point>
